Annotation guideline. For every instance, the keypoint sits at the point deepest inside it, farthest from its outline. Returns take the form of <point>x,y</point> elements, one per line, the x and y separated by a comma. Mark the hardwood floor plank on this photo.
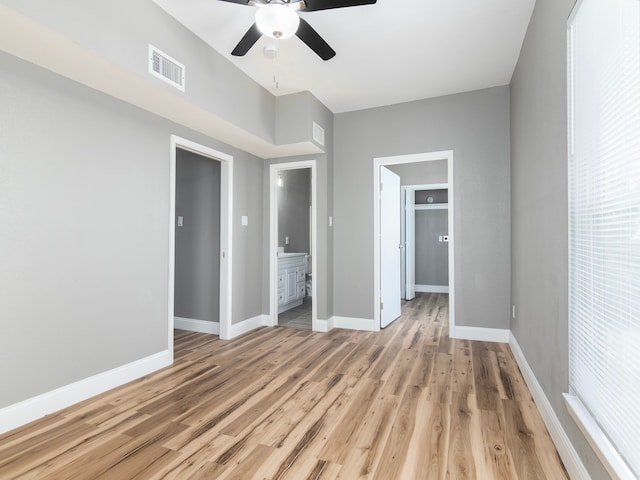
<point>423,367</point>
<point>395,451</point>
<point>197,460</point>
<point>487,394</point>
<point>497,452</point>
<point>251,466</point>
<point>279,403</point>
<point>461,463</point>
<point>545,450</point>
<point>440,384</point>
<point>361,461</point>
<point>462,381</point>
<point>521,442</point>
<point>344,437</point>
<point>429,447</point>
<point>262,409</point>
<point>324,471</point>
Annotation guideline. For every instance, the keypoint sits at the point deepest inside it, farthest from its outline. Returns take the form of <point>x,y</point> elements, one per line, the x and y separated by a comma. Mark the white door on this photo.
<point>403,243</point>
<point>389,246</point>
<point>410,244</point>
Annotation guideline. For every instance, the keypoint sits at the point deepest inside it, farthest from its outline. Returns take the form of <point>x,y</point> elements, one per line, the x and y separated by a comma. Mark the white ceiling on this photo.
<point>390,52</point>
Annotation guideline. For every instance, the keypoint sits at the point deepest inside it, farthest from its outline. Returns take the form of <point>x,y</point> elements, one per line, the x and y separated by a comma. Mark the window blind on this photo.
<point>604,218</point>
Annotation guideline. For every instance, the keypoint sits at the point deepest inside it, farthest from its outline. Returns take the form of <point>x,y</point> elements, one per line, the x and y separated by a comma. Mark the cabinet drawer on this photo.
<point>281,280</point>
<point>301,290</point>
<point>300,274</point>
<point>281,296</point>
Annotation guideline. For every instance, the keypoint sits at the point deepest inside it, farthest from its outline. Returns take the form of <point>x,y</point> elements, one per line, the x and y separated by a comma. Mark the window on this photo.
<point>604,228</point>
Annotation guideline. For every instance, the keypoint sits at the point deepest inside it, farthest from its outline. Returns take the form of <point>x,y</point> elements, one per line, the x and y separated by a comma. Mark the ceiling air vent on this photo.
<point>318,134</point>
<point>166,68</point>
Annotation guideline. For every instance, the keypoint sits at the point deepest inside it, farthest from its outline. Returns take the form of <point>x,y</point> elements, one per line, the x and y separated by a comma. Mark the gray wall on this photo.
<point>539,221</point>
<point>421,173</point>
<point>432,258</point>
<point>197,261</point>
<point>475,126</point>
<point>294,200</point>
<point>84,205</point>
<point>120,31</point>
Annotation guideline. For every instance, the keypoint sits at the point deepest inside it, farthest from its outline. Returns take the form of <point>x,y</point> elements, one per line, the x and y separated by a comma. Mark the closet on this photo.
<point>425,228</point>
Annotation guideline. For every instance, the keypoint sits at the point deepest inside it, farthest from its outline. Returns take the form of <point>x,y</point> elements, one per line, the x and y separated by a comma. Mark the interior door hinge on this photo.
<point>381,305</point>
<point>381,187</point>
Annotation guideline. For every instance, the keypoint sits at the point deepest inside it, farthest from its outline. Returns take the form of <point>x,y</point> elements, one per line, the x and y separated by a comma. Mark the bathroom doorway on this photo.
<point>292,244</point>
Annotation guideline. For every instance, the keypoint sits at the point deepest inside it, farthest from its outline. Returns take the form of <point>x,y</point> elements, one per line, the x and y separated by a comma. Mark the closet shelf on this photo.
<point>431,206</point>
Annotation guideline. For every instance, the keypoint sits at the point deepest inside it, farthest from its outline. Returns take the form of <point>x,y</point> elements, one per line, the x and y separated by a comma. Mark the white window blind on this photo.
<point>604,224</point>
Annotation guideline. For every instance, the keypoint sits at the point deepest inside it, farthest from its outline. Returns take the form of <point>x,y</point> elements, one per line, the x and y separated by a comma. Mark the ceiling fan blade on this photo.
<point>313,5</point>
<point>248,41</point>
<point>314,41</point>
<point>241,2</point>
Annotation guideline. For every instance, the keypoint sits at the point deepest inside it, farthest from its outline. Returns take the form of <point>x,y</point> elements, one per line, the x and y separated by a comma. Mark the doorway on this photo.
<point>424,234</point>
<point>379,163</point>
<point>293,244</point>
<point>220,247</point>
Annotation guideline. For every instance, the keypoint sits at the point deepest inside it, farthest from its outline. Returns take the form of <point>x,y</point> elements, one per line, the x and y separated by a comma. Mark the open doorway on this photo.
<point>202,225</point>
<point>412,161</point>
<point>197,264</point>
<point>293,244</point>
<point>424,232</point>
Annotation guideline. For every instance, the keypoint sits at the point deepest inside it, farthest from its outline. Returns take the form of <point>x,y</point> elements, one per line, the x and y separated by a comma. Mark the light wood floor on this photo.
<point>404,403</point>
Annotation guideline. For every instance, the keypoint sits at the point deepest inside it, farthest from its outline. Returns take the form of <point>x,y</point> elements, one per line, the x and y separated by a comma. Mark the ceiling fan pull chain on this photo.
<point>275,62</point>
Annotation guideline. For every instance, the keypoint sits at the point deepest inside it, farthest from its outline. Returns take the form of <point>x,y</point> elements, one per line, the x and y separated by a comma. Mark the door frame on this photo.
<point>413,158</point>
<point>274,169</point>
<point>226,230</point>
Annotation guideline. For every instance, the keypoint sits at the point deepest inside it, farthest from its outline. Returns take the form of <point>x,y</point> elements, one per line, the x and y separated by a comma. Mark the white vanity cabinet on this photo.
<point>291,280</point>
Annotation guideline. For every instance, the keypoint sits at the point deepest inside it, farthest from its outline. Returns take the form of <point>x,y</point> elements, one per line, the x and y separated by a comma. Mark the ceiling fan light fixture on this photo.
<point>276,20</point>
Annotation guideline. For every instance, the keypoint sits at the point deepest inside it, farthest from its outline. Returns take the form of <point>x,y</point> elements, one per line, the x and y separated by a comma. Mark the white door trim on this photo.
<point>409,231</point>
<point>274,168</point>
<point>412,158</point>
<point>226,231</point>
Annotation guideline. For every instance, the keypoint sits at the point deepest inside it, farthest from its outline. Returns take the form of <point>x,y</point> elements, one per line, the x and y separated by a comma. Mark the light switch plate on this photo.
<point>245,220</point>
<point>180,220</point>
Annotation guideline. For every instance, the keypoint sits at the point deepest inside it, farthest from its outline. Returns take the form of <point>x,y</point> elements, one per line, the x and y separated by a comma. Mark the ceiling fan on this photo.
<point>278,19</point>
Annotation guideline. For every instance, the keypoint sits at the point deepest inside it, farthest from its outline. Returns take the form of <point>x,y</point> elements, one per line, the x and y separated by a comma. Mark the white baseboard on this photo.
<point>249,324</point>
<point>37,407</point>
<point>323,325</point>
<point>570,458</point>
<point>432,288</point>
<point>482,334</point>
<point>352,323</point>
<point>193,325</point>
